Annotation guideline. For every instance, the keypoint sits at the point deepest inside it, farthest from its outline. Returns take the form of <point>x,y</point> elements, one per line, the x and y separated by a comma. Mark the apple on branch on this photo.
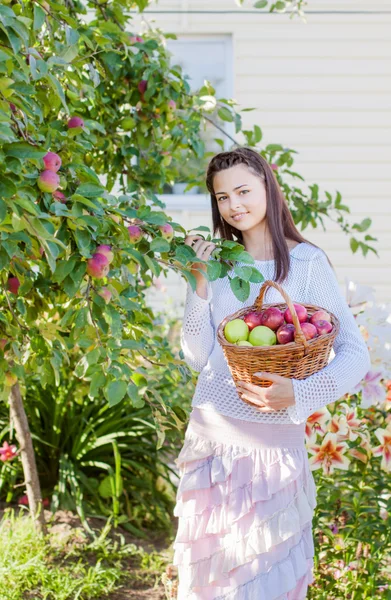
<point>167,231</point>
<point>48,181</point>
<point>98,266</point>
<point>52,161</point>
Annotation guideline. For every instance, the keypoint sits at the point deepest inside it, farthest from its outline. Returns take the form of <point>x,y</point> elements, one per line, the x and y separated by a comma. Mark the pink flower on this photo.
<point>329,454</point>
<point>373,392</point>
<point>315,423</point>
<point>384,449</point>
<point>7,452</point>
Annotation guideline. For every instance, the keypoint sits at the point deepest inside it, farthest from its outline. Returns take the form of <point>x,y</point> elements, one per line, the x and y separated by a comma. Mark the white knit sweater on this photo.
<point>311,280</point>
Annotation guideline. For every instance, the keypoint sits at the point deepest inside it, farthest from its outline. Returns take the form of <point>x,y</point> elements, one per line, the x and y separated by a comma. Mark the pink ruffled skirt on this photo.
<point>245,502</point>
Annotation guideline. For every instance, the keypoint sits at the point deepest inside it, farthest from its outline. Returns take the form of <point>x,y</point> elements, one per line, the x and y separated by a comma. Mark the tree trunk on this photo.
<point>23,436</point>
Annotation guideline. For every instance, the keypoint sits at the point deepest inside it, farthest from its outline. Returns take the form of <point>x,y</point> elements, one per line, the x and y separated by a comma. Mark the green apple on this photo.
<point>243,343</point>
<point>128,123</point>
<point>236,331</point>
<point>262,336</point>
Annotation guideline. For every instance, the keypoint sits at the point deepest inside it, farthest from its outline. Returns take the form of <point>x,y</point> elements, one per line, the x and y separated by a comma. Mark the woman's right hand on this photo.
<point>203,250</point>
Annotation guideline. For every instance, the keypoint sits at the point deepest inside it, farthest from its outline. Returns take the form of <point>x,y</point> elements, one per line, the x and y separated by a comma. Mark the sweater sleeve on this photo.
<point>351,361</point>
<point>198,332</point>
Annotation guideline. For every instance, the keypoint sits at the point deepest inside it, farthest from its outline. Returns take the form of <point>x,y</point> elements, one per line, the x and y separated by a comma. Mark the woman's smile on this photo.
<point>239,216</point>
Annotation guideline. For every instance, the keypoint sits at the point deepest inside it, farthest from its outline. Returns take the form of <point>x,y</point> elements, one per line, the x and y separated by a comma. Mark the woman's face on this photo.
<point>239,192</point>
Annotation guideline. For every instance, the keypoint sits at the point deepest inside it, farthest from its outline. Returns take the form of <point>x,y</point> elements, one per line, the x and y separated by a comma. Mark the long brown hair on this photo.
<point>278,216</point>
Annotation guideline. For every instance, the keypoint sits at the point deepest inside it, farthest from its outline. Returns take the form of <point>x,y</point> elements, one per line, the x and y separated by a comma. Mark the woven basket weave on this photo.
<point>297,360</point>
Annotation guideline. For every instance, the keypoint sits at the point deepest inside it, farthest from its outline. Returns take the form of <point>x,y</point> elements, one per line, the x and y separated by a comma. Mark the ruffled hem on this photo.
<point>287,579</point>
<point>241,515</point>
<point>245,514</point>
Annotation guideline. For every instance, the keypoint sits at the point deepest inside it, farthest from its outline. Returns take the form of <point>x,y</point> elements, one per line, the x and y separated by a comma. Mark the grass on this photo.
<point>68,565</point>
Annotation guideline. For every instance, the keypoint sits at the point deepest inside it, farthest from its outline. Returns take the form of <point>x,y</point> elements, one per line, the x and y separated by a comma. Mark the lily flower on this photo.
<point>329,454</point>
<point>384,449</point>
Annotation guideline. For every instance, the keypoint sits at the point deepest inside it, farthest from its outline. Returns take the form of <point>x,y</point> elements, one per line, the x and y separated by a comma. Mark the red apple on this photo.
<point>105,249</point>
<point>301,312</point>
<point>48,181</point>
<point>167,231</point>
<point>320,315</point>
<point>253,319</point>
<point>286,333</point>
<point>98,266</point>
<point>272,317</point>
<point>13,285</point>
<point>323,327</point>
<point>52,161</point>
<point>135,233</point>
<point>59,197</point>
<point>309,330</point>
<point>75,122</point>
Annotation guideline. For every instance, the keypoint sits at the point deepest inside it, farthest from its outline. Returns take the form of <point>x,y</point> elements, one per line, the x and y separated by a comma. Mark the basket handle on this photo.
<point>299,337</point>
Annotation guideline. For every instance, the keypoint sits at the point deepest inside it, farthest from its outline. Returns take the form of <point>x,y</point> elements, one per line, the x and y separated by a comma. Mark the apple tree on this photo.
<point>91,116</point>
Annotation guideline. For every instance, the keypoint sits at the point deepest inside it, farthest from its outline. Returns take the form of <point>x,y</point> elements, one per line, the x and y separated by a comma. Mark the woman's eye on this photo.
<point>224,197</point>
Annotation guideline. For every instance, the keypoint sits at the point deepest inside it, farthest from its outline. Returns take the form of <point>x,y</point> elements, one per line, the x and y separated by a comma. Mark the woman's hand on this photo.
<point>203,250</point>
<point>279,395</point>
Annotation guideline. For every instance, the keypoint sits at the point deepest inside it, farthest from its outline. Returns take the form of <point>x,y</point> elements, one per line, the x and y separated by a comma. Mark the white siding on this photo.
<point>322,88</point>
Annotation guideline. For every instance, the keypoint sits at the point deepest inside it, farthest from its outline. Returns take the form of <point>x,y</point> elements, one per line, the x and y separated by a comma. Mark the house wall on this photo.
<point>322,88</point>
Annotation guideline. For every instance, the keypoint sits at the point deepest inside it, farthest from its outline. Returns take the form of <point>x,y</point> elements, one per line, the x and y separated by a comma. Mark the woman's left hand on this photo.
<point>268,399</point>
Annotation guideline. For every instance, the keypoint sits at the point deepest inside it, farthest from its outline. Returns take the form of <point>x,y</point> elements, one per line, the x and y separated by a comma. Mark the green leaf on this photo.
<point>240,288</point>
<point>7,187</point>
<point>213,270</point>
<point>90,190</point>
<point>256,276</point>
<point>24,150</point>
<point>56,85</point>
<point>63,268</point>
<point>354,244</point>
<point>243,272</point>
<point>160,245</point>
<point>261,4</point>
<point>115,391</point>
<point>39,17</point>
<point>257,134</point>
<point>3,210</point>
<point>98,380</point>
<point>245,257</point>
<point>83,241</point>
<point>225,114</point>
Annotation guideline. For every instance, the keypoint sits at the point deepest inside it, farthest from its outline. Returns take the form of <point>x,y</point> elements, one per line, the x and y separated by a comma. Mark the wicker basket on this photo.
<point>297,360</point>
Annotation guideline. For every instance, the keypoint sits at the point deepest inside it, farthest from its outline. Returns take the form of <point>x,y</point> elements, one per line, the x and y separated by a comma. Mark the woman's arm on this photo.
<point>197,333</point>
<point>351,362</point>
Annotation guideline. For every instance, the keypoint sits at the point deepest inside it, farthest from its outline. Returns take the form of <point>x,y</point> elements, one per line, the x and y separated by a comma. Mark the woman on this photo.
<point>246,494</point>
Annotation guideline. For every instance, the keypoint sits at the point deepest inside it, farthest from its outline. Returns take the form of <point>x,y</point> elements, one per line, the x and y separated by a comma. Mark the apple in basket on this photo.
<point>272,317</point>
<point>309,330</point>
<point>301,312</point>
<point>243,343</point>
<point>323,327</point>
<point>253,319</point>
<point>286,333</point>
<point>236,331</point>
<point>262,336</point>
<point>320,315</point>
